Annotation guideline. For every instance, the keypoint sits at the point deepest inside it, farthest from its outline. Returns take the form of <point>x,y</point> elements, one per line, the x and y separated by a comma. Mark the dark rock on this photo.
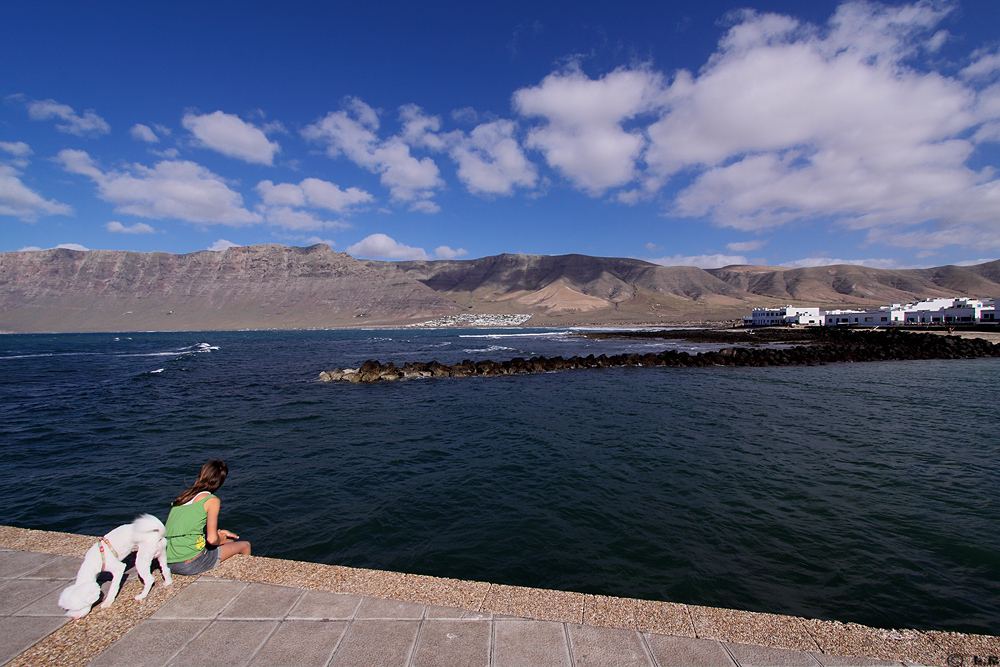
<point>844,346</point>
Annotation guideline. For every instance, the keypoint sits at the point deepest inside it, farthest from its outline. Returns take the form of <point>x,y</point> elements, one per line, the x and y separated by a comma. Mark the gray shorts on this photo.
<point>208,559</point>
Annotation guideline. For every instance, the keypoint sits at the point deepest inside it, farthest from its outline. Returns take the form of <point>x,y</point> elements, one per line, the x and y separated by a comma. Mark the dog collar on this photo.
<point>100,545</point>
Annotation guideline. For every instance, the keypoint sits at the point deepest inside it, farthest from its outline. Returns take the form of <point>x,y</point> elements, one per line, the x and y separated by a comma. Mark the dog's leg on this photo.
<point>161,556</point>
<point>143,559</point>
<point>117,570</point>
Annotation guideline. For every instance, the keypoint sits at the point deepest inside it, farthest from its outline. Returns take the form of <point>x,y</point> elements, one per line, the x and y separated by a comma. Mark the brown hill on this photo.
<point>274,286</point>
<point>563,289</point>
<point>265,286</point>
<point>847,284</point>
<point>579,289</point>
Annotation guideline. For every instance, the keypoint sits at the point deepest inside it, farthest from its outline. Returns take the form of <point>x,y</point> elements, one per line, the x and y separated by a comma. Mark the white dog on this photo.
<point>145,536</point>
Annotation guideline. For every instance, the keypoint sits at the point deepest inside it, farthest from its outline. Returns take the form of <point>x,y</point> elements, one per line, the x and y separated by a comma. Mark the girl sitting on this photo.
<point>195,543</point>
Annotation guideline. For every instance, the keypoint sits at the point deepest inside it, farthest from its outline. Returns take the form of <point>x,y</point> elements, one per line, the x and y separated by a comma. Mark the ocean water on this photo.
<point>856,492</point>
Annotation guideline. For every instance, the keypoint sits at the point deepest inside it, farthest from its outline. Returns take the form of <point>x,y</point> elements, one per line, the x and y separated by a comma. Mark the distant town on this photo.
<point>929,311</point>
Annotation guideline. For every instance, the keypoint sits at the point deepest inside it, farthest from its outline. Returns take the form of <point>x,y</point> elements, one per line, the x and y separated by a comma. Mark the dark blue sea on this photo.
<point>855,492</point>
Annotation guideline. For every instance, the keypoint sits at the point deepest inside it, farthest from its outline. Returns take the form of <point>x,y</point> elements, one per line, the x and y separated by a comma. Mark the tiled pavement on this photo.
<point>223,622</point>
<point>231,623</point>
<point>29,587</point>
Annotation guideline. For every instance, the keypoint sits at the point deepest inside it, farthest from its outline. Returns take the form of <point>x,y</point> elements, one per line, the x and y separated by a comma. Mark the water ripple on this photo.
<point>858,492</point>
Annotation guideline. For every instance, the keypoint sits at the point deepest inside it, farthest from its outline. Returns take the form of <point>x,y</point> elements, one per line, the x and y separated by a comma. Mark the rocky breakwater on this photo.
<point>830,346</point>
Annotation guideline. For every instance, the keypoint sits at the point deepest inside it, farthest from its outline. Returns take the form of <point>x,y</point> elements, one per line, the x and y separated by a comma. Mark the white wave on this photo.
<point>158,370</point>
<point>173,353</point>
<point>492,348</point>
<point>197,348</point>
<point>49,354</point>
<point>546,334</point>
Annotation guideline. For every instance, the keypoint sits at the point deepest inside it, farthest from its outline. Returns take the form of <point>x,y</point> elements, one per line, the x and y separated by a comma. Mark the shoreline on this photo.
<point>813,347</point>
<point>576,329</point>
<point>399,327</point>
<point>931,647</point>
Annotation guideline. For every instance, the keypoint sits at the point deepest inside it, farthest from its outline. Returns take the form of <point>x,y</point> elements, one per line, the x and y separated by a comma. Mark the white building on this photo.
<point>883,316</point>
<point>785,315</point>
<point>928,311</point>
<point>988,313</point>
<point>944,311</point>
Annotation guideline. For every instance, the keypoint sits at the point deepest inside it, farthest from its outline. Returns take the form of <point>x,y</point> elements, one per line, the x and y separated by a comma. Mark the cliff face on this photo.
<point>267,286</point>
<point>848,284</point>
<point>558,289</point>
<point>579,289</point>
<point>274,286</point>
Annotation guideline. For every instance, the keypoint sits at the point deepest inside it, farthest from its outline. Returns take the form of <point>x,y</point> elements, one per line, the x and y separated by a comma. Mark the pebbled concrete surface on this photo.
<point>263,611</point>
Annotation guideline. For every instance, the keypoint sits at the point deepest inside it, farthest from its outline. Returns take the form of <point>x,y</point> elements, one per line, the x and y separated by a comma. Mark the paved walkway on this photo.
<point>209,621</point>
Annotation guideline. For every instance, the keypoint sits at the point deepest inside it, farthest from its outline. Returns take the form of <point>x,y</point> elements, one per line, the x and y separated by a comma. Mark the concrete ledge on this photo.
<point>78,642</point>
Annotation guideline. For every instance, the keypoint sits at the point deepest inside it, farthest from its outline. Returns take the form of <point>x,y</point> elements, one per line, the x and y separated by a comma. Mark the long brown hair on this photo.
<point>211,477</point>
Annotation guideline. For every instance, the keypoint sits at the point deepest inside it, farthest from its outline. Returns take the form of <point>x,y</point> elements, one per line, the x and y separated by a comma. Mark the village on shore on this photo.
<point>940,311</point>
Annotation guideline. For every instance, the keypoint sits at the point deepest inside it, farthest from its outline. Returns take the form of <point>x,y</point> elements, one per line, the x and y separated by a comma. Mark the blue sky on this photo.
<point>703,133</point>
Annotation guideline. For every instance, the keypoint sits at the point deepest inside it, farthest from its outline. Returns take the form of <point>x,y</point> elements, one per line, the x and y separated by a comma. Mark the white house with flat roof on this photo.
<point>883,316</point>
<point>944,311</point>
<point>784,315</point>
<point>988,313</point>
<point>928,311</point>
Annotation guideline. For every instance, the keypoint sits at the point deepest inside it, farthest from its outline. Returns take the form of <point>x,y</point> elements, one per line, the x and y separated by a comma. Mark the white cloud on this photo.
<point>171,189</point>
<point>827,261</point>
<point>79,162</point>
<point>352,133</point>
<point>444,252</point>
<point>73,246</point>
<point>138,228</point>
<point>143,133</point>
<point>323,194</point>
<point>89,124</point>
<point>466,115</point>
<point>419,129</point>
<point>583,136</point>
<point>701,261</point>
<point>29,248</point>
<point>985,64</point>
<point>231,136</point>
<point>745,246</point>
<point>312,192</point>
<point>167,153</point>
<point>312,240</point>
<point>20,201</point>
<point>283,194</point>
<point>298,220</point>
<point>633,196</point>
<point>381,246</point>
<point>974,262</point>
<point>490,160</point>
<point>221,245</point>
<point>15,148</point>
<point>789,121</point>
<point>425,206</point>
<point>282,203</point>
<point>987,109</point>
<point>981,237</point>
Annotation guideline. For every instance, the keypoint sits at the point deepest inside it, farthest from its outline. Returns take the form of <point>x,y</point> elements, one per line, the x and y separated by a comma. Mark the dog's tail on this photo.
<point>147,523</point>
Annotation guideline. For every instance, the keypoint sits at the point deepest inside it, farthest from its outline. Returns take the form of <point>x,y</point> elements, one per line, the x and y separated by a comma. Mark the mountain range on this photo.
<point>281,287</point>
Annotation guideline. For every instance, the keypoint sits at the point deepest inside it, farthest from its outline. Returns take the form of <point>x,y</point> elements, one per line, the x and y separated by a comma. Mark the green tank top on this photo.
<point>186,530</point>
